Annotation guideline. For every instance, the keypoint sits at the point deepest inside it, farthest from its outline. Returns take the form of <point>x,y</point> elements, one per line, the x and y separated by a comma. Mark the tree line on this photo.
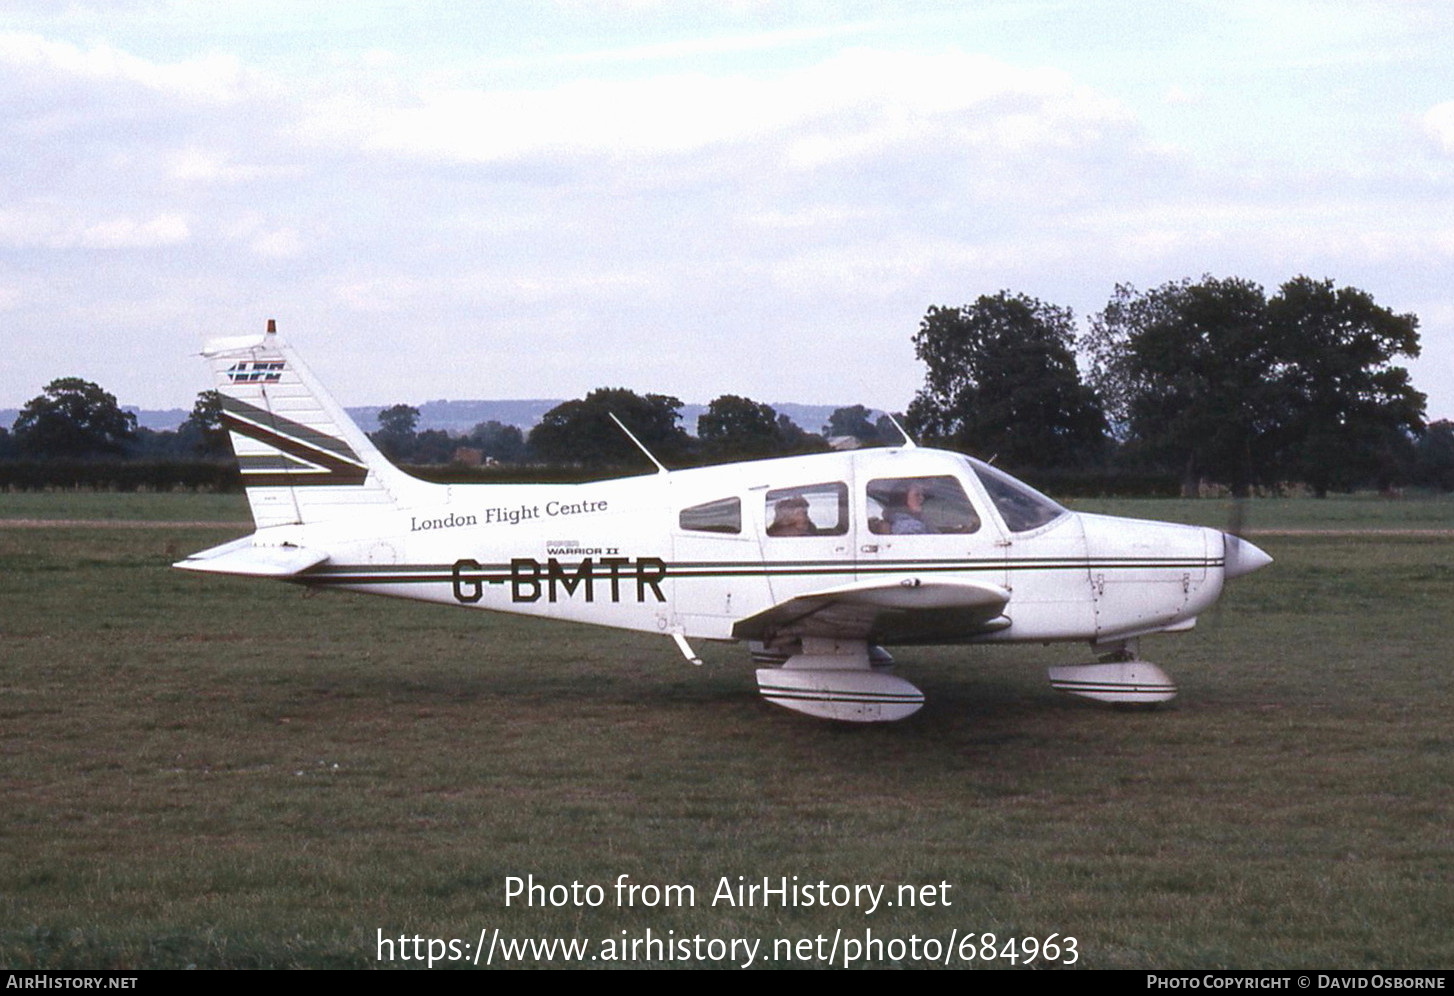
<point>1213,381</point>
<point>1201,382</point>
<point>74,434</point>
<point>582,433</point>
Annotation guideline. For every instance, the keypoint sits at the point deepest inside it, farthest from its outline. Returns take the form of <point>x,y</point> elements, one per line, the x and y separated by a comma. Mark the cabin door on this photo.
<point>927,527</point>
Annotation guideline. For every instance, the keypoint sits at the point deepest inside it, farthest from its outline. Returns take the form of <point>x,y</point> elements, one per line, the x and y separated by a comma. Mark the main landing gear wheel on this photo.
<point>836,679</point>
<point>1118,678</point>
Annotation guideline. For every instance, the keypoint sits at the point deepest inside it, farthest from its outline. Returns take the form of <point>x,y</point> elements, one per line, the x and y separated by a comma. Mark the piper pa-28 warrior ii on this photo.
<point>819,562</point>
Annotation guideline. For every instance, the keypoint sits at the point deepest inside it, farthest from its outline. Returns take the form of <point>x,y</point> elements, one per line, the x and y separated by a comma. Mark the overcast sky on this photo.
<point>536,198</point>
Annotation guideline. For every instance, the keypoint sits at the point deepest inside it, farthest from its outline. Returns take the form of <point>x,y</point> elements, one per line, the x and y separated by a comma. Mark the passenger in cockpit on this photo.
<point>790,518</point>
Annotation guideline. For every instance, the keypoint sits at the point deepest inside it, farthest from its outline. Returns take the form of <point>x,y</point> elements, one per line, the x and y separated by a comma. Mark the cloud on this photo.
<point>210,78</point>
<point>1439,125</point>
<point>33,227</point>
<point>696,47</point>
<point>664,212</point>
<point>847,106</point>
<point>284,243</point>
<point>193,163</point>
<point>1179,95</point>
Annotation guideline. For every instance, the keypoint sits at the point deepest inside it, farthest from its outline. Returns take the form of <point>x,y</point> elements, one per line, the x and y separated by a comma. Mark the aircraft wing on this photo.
<point>884,612</point>
<point>243,557</point>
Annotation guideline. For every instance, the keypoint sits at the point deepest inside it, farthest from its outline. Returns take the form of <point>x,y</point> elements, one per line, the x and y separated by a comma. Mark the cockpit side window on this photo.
<point>721,516</point>
<point>808,510</point>
<point>1021,506</point>
<point>919,505</point>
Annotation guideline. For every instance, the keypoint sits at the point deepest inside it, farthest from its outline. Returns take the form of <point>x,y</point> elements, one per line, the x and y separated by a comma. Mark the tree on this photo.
<point>1184,371</point>
<point>1434,456</point>
<point>852,421</point>
<point>152,444</point>
<point>1215,380</point>
<point>889,434</point>
<point>498,441</point>
<point>1350,411</point>
<point>203,431</point>
<point>1002,380</point>
<point>433,446</point>
<point>73,418</point>
<point>796,439</point>
<point>581,431</point>
<point>396,435</point>
<point>734,427</point>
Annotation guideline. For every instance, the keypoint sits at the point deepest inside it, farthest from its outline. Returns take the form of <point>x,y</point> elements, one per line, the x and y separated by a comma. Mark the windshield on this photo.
<point>1021,506</point>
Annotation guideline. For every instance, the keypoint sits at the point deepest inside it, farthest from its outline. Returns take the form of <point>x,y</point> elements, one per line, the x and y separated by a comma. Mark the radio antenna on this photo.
<point>660,467</point>
<point>909,443</point>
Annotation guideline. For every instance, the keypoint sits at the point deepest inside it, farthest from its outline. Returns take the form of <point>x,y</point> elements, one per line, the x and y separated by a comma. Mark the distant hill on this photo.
<point>452,416</point>
<point>459,417</point>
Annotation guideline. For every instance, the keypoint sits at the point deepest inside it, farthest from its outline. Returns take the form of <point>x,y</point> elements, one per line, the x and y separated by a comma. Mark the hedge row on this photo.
<point>119,475</point>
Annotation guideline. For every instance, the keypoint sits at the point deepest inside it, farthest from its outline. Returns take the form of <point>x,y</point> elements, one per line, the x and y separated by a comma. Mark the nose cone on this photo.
<point>1241,557</point>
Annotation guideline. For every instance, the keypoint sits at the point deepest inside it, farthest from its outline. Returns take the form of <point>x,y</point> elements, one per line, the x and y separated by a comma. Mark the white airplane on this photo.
<point>818,561</point>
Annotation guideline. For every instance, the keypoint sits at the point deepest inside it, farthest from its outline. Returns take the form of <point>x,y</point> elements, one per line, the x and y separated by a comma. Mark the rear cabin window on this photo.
<point>909,506</point>
<point>808,510</point>
<point>721,516</point>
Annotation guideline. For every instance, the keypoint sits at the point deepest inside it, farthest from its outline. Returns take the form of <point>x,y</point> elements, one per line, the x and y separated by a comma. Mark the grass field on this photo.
<point>202,771</point>
<point>100,506</point>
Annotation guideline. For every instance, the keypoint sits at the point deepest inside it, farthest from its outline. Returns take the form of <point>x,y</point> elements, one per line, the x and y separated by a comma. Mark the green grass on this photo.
<point>130,506</point>
<point>202,771</point>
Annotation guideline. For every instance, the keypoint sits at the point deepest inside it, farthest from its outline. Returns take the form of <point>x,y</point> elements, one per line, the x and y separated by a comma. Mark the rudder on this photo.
<point>303,460</point>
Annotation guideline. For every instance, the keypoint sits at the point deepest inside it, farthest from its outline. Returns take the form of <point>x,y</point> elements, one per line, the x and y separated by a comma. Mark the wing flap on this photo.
<point>244,557</point>
<point>901,612</point>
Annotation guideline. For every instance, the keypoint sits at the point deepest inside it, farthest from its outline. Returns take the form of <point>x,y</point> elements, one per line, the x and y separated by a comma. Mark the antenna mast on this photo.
<point>660,467</point>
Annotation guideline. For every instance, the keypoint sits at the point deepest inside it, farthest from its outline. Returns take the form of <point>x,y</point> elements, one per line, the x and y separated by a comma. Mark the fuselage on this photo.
<point>691,552</point>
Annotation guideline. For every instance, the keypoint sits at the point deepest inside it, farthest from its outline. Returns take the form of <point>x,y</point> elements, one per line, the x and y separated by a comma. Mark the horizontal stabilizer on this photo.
<point>908,611</point>
<point>243,557</point>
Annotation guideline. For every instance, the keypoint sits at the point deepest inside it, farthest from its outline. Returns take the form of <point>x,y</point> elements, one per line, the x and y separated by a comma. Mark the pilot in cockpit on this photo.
<point>906,518</point>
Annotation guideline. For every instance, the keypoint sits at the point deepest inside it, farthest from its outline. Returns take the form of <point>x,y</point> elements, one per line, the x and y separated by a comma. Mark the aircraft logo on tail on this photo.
<point>256,372</point>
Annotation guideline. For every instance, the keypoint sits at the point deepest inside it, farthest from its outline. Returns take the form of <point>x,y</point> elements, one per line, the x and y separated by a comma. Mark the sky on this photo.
<point>534,199</point>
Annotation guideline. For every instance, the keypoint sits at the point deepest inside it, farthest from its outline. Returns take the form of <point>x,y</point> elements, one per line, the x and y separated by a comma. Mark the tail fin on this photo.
<point>303,460</point>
